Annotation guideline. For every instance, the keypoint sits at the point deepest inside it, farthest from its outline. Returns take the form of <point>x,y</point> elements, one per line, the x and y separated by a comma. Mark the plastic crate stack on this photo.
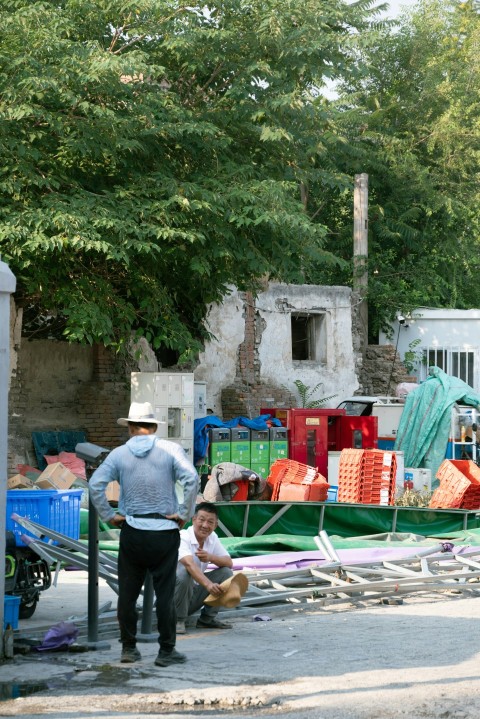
<point>459,485</point>
<point>367,476</point>
<point>293,481</point>
<point>350,476</point>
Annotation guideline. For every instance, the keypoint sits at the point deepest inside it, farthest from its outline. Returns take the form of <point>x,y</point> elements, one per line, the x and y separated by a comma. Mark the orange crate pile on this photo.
<point>292,481</point>
<point>366,476</point>
<point>459,485</point>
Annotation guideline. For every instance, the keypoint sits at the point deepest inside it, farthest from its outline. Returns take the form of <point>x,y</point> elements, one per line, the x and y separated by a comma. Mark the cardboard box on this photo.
<point>18,481</point>
<point>56,476</point>
<point>418,479</point>
<point>113,491</point>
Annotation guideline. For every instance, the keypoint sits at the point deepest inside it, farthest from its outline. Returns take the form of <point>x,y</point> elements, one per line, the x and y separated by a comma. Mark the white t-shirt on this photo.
<point>189,545</point>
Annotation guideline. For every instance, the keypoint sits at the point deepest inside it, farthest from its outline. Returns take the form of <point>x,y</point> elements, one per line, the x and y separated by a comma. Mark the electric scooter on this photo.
<point>26,575</point>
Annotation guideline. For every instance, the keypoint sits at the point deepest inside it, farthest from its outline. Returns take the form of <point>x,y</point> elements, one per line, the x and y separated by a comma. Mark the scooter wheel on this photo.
<point>27,609</point>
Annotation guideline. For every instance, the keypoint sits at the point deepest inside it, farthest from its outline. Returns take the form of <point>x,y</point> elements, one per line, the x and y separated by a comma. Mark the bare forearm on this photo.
<point>220,561</point>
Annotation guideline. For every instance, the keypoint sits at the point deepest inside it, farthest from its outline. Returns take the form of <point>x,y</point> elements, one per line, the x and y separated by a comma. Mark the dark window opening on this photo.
<point>309,337</point>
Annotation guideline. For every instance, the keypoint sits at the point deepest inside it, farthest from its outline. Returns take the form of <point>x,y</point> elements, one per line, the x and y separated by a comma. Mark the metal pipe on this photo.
<point>147,607</point>
<point>331,550</point>
<point>92,572</point>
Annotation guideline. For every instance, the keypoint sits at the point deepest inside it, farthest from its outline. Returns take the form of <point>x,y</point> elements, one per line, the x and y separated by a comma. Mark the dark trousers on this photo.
<point>157,552</point>
<point>189,596</point>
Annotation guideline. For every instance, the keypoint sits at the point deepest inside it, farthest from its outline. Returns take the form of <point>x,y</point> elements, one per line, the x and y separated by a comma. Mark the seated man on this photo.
<point>199,547</point>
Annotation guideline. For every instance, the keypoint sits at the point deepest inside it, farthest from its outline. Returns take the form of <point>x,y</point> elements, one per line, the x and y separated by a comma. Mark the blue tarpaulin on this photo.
<point>424,427</point>
<point>202,425</point>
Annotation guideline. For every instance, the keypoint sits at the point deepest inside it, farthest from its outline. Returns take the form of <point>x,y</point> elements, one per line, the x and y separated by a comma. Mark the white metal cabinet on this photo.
<point>172,397</point>
<point>200,399</point>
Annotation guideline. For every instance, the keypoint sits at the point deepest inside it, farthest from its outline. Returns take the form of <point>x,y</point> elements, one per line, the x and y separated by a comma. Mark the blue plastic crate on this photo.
<point>11,608</point>
<point>57,509</point>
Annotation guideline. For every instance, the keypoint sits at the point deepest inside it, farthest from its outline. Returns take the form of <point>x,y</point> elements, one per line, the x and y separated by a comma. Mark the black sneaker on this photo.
<point>164,659</point>
<point>211,623</point>
<point>130,655</point>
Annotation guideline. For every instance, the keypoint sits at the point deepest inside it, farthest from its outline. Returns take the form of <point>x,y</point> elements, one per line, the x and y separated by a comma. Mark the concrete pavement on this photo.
<point>364,661</point>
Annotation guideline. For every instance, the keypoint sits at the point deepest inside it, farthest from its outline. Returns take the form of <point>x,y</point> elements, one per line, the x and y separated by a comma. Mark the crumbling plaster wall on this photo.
<point>218,362</point>
<point>337,373</point>
<point>223,363</point>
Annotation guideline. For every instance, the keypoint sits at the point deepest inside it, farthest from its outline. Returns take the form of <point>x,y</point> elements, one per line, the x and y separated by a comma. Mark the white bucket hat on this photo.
<point>139,412</point>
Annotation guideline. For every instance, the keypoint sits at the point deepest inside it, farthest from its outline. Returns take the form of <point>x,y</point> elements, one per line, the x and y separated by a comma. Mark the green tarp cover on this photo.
<point>424,426</point>
<point>276,527</point>
<point>337,519</point>
<point>54,442</point>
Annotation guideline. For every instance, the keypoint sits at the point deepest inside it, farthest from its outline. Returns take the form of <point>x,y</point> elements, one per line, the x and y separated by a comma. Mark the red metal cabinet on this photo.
<point>357,433</point>
<point>313,433</point>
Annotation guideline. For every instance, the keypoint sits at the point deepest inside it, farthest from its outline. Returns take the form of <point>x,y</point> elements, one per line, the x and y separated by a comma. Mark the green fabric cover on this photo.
<point>424,426</point>
<point>338,519</point>
<point>347,523</point>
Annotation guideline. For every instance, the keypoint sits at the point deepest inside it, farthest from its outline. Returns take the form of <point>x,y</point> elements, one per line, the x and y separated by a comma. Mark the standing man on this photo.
<point>199,547</point>
<point>150,518</point>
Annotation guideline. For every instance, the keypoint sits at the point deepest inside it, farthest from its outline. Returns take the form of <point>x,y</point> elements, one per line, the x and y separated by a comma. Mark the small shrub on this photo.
<point>413,498</point>
<point>306,393</point>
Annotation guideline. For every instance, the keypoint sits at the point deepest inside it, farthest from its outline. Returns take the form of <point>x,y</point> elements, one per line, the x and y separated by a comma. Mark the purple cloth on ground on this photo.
<point>300,560</point>
<point>59,637</point>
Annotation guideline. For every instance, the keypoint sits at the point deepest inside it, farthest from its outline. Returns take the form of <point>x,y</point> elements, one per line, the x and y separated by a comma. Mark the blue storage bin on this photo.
<point>57,509</point>
<point>332,493</point>
<point>11,608</point>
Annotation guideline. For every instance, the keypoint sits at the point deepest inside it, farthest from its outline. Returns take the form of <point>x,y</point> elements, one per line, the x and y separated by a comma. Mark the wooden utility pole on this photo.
<point>360,259</point>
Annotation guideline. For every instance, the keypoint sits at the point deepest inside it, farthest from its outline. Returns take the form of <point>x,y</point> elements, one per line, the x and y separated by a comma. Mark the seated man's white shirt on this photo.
<point>189,546</point>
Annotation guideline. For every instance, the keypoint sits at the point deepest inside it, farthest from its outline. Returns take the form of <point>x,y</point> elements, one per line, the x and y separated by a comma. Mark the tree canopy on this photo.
<point>153,153</point>
<point>413,120</point>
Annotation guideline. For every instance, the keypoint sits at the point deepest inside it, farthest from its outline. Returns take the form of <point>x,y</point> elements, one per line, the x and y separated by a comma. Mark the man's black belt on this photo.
<point>152,515</point>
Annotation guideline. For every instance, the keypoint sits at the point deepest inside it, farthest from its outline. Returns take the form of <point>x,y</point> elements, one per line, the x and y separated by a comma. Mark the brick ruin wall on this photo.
<point>242,400</point>
<point>247,395</point>
<point>58,386</point>
<point>381,371</point>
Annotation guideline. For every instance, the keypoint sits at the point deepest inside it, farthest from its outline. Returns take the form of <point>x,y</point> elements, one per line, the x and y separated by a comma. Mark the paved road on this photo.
<point>419,659</point>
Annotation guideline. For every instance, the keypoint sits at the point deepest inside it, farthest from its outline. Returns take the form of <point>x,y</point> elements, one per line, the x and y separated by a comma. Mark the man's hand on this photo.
<point>202,555</point>
<point>215,589</point>
<point>117,520</point>
<point>176,518</point>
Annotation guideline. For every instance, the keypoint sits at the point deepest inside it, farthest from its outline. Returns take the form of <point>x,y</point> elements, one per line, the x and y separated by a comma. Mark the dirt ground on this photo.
<point>363,660</point>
